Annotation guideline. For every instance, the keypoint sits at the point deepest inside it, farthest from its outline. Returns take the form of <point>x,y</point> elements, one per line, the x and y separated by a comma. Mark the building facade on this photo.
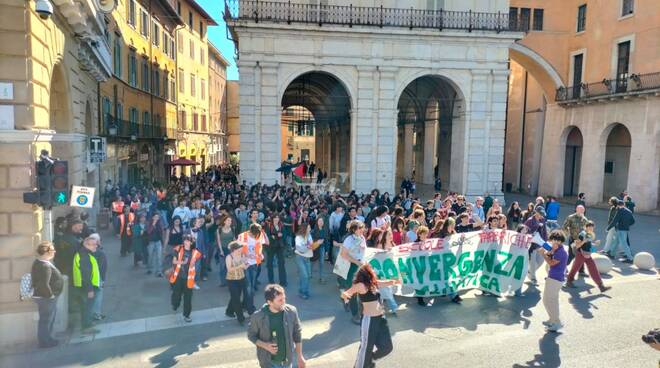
<point>50,69</point>
<point>218,106</point>
<point>584,110</point>
<point>388,86</point>
<point>193,139</point>
<point>138,104</point>
<point>233,120</point>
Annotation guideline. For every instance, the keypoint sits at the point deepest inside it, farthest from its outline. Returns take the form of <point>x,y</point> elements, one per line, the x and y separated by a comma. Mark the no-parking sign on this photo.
<point>82,196</point>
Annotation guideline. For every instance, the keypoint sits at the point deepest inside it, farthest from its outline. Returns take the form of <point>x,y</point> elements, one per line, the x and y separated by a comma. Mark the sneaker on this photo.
<point>626,260</point>
<point>554,327</point>
<point>583,274</point>
<point>187,319</point>
<point>99,317</point>
<point>546,323</point>
<point>569,285</point>
<point>196,287</point>
<point>457,299</point>
<point>604,288</point>
<point>205,278</point>
<point>608,255</point>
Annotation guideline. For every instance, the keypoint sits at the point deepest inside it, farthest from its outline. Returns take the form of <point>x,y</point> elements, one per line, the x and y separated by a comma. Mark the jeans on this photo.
<point>620,244</point>
<point>611,234</point>
<point>198,268</point>
<point>155,250</point>
<point>387,296</point>
<point>47,310</point>
<point>551,299</point>
<point>163,218</point>
<point>97,302</point>
<point>250,282</point>
<point>222,268</point>
<point>180,288</point>
<point>322,253</point>
<point>85,306</point>
<point>271,253</point>
<point>236,299</point>
<point>353,302</point>
<point>304,272</point>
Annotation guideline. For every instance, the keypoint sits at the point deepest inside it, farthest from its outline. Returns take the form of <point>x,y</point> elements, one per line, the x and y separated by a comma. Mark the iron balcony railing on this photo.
<point>349,15</point>
<point>113,127</point>
<point>634,83</point>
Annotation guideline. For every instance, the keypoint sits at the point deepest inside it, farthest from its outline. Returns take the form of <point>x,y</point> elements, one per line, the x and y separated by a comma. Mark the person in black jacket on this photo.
<point>622,221</point>
<point>47,282</point>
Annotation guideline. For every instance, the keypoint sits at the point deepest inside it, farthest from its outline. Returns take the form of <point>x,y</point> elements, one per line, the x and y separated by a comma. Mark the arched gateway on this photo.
<point>356,85</point>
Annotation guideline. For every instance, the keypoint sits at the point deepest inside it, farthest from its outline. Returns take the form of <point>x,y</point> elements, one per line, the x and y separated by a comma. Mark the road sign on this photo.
<point>97,149</point>
<point>82,196</point>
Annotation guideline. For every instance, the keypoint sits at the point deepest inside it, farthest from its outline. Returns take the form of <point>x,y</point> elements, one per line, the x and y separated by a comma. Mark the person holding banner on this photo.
<point>534,225</point>
<point>557,258</point>
<point>374,331</point>
<point>352,250</point>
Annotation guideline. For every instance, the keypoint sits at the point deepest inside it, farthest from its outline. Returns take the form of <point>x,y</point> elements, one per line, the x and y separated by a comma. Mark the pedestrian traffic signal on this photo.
<point>60,183</point>
<point>44,183</point>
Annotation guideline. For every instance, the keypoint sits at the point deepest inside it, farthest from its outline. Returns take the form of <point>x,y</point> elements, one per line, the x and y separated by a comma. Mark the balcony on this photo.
<point>635,84</point>
<point>125,129</point>
<point>349,15</point>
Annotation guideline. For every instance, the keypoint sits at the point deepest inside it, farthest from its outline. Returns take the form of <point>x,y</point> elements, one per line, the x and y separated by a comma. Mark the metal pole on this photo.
<point>47,232</point>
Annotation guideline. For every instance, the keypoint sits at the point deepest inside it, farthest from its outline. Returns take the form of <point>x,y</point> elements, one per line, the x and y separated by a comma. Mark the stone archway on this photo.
<point>60,104</point>
<point>572,161</point>
<point>427,135</point>
<point>617,159</point>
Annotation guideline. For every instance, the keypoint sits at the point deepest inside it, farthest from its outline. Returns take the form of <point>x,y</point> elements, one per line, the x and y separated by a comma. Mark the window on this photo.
<point>627,7</point>
<point>577,74</point>
<point>609,167</point>
<point>203,123</point>
<point>513,18</point>
<point>179,40</point>
<point>202,56</point>
<point>538,20</point>
<point>172,48</point>
<point>178,7</point>
<point>144,26</point>
<point>133,120</point>
<point>156,81</point>
<point>525,18</point>
<point>172,89</point>
<point>202,88</point>
<point>622,65</point>
<point>156,35</point>
<point>145,75</point>
<point>201,29</point>
<point>182,120</point>
<point>195,122</point>
<point>120,112</point>
<point>192,49</point>
<point>190,20</point>
<point>166,87</point>
<point>193,81</point>
<point>146,121</point>
<point>131,13</point>
<point>182,80</point>
<point>106,112</point>
<point>132,69</point>
<point>166,44</point>
<point>582,18</point>
<point>117,57</point>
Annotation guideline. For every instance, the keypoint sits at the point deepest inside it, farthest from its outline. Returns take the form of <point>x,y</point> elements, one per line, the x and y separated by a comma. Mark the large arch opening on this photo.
<point>316,126</point>
<point>572,162</point>
<point>59,108</point>
<point>425,129</point>
<point>617,161</point>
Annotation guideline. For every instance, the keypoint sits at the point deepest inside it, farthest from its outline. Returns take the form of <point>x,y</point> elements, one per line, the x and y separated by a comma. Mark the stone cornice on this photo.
<point>39,135</point>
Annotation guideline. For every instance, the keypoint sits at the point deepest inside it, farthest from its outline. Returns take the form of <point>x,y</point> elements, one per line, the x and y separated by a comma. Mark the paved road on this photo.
<point>601,330</point>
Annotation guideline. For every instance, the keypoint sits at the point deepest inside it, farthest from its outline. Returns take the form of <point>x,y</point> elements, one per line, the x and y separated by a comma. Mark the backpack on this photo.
<point>26,290</point>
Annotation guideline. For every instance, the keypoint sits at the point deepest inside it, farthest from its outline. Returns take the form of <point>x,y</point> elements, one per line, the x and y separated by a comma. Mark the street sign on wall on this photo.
<point>97,149</point>
<point>82,196</point>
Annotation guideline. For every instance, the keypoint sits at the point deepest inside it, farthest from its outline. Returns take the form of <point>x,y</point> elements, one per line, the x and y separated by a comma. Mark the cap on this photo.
<point>540,210</point>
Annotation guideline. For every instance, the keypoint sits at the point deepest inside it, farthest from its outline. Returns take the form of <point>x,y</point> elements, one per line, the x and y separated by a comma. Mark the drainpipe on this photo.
<point>522,137</point>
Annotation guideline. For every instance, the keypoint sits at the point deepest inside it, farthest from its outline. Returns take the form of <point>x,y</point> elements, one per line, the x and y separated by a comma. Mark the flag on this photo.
<point>298,173</point>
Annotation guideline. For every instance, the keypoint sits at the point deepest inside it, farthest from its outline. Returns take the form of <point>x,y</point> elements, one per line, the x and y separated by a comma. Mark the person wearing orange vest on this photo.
<point>118,206</point>
<point>125,222</point>
<point>252,241</point>
<point>182,278</point>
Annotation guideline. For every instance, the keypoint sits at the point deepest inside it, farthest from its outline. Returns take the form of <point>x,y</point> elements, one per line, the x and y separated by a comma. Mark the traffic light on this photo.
<point>59,188</point>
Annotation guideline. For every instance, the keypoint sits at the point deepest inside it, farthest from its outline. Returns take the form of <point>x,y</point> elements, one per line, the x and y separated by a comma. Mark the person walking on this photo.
<point>304,252</point>
<point>535,224</point>
<point>225,235</point>
<point>253,241</point>
<point>275,248</point>
<point>139,240</point>
<point>321,237</point>
<point>182,278</point>
<point>573,226</point>
<point>584,244</point>
<point>276,331</point>
<point>47,283</point>
<point>374,331</point>
<point>86,281</point>
<point>236,264</point>
<point>155,246</point>
<point>174,235</point>
<point>125,223</point>
<point>557,259</point>
<point>622,221</point>
<point>352,250</point>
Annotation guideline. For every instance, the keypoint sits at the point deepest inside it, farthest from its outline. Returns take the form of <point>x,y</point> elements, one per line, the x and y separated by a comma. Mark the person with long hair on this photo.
<point>398,232</point>
<point>321,235</point>
<point>374,237</point>
<point>514,215</point>
<point>174,235</point>
<point>275,248</point>
<point>224,236</point>
<point>386,243</point>
<point>353,251</point>
<point>374,331</point>
<point>304,252</point>
<point>235,264</point>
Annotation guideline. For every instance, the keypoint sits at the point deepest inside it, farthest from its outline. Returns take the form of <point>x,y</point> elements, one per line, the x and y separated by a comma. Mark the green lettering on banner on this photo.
<point>448,261</point>
<point>389,269</point>
<point>464,266</point>
<point>501,263</point>
<point>517,268</point>
<point>483,281</point>
<point>406,270</point>
<point>434,272</point>
<point>423,291</point>
<point>489,259</point>
<point>478,260</point>
<point>377,269</point>
<point>494,285</point>
<point>420,268</point>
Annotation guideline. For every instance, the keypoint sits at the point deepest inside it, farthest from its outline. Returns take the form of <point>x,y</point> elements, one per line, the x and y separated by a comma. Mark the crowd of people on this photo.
<point>212,226</point>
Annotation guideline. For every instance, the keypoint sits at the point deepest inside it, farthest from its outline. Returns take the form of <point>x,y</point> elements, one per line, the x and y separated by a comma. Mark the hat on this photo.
<point>235,245</point>
<point>540,210</point>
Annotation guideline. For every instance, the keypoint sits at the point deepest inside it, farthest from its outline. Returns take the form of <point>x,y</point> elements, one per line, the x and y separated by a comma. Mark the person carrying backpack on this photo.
<point>46,285</point>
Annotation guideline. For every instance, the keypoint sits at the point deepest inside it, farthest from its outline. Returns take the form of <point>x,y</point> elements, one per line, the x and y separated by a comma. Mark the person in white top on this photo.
<point>184,214</point>
<point>382,218</point>
<point>304,251</point>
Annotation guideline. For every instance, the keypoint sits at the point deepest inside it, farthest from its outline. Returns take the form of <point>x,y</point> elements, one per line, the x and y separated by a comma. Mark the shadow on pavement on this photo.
<point>548,355</point>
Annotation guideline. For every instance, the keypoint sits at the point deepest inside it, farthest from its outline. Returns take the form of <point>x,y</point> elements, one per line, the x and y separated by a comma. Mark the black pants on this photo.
<point>125,244</point>
<point>256,278</point>
<point>236,299</point>
<point>178,289</point>
<point>271,253</point>
<point>353,302</point>
<point>373,332</point>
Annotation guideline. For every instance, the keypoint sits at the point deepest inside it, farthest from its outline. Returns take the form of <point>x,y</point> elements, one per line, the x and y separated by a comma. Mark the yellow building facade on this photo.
<point>233,119</point>
<point>218,106</point>
<point>583,104</point>
<point>138,105</point>
<point>193,141</point>
<point>50,69</point>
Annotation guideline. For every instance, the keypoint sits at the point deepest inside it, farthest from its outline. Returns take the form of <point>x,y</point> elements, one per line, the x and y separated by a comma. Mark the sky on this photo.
<point>218,35</point>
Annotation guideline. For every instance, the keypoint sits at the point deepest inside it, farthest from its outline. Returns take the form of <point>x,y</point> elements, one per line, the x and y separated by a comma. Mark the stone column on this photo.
<point>386,116</point>
<point>249,139</point>
<point>407,150</point>
<point>269,152</point>
<point>643,171</point>
<point>365,130</point>
<point>430,141</point>
<point>551,177</point>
